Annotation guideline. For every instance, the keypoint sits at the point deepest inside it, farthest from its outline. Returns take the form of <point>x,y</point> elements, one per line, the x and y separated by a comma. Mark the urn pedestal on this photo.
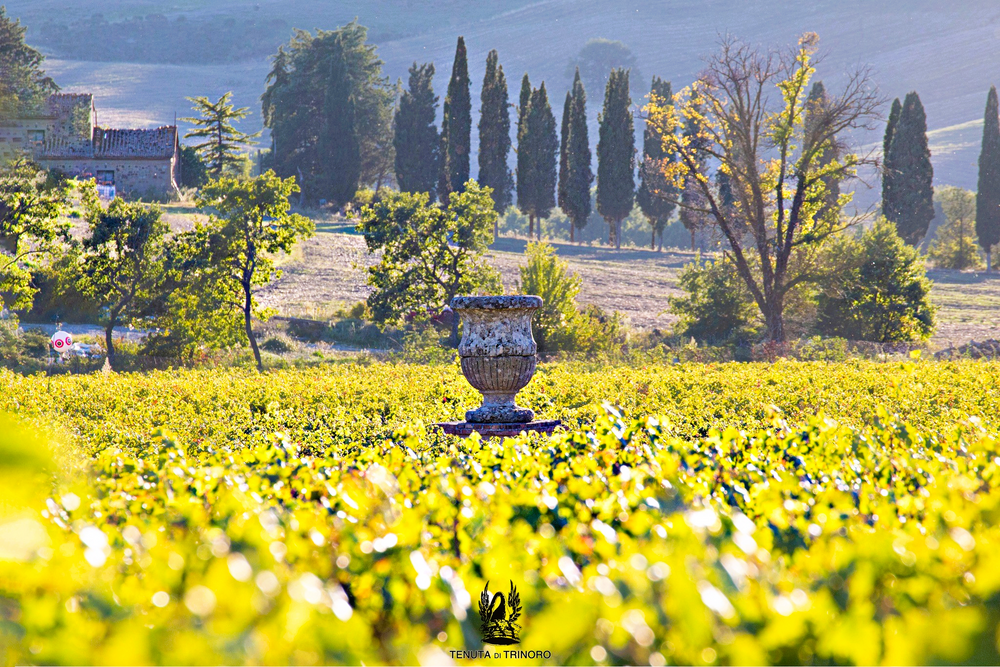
<point>497,353</point>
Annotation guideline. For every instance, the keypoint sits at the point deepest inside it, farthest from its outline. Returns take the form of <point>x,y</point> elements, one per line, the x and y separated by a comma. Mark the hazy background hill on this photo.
<point>142,58</point>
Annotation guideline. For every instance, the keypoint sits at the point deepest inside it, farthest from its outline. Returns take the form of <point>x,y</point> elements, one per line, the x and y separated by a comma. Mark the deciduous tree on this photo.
<point>750,107</point>
<point>120,260</point>
<point>231,255</point>
<point>955,245</point>
<point>23,83</point>
<point>31,227</point>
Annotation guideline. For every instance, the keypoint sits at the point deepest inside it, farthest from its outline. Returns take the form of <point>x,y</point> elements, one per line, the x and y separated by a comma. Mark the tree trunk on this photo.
<point>109,342</point>
<point>775,320</point>
<point>247,306</point>
<point>572,232</point>
<point>652,243</point>
<point>531,226</point>
<point>496,230</point>
<point>618,234</point>
<point>989,266</point>
<point>538,229</point>
<point>302,189</point>
<point>692,240</point>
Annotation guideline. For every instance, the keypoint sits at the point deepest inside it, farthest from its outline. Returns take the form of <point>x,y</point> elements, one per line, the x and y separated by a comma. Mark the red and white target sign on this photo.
<point>61,341</point>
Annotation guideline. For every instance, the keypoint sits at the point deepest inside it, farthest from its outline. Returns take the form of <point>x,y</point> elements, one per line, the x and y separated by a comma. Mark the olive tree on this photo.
<point>225,261</point>
<point>430,253</point>
<point>119,260</point>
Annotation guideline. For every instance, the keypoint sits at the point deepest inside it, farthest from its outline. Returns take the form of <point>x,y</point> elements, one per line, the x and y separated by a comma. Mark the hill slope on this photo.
<point>944,51</point>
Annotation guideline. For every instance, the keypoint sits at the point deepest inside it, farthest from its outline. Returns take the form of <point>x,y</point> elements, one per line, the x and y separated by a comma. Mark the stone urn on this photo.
<point>498,353</point>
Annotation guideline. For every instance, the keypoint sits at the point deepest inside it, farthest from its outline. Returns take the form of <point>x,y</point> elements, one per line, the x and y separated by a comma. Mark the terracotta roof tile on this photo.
<point>110,143</point>
<point>135,143</point>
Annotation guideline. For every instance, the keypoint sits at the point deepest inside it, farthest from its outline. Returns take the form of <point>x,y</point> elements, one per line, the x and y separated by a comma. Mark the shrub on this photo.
<point>423,345</point>
<point>956,245</point>
<point>277,345</point>
<point>878,290</point>
<point>718,306</point>
<point>194,172</point>
<point>549,277</point>
<point>594,333</point>
<point>559,326</point>
<point>307,330</point>
<point>10,343</point>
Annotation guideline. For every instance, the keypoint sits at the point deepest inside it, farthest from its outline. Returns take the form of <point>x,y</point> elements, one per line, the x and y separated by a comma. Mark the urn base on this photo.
<point>500,414</point>
<point>465,429</point>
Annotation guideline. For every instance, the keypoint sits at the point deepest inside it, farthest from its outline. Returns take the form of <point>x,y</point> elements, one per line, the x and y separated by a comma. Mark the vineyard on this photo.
<point>705,514</point>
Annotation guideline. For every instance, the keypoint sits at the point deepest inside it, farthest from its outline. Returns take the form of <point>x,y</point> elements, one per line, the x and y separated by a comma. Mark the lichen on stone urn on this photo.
<point>497,352</point>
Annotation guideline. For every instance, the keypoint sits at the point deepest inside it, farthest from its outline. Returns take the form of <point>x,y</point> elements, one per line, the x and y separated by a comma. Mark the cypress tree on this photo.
<point>887,170</point>
<point>564,154</point>
<point>616,156</point>
<point>988,190</point>
<point>653,188</point>
<point>575,195</point>
<point>523,100</point>
<point>416,137</point>
<point>523,159</point>
<point>911,202</point>
<point>538,144</point>
<point>494,135</point>
<point>456,127</point>
<point>339,142</point>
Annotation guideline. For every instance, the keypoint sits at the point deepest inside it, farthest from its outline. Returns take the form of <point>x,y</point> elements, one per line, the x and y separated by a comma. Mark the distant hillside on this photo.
<point>948,52</point>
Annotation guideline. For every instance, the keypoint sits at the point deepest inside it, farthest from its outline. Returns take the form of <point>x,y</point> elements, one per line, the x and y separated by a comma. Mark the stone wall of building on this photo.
<point>152,178</point>
<point>14,135</point>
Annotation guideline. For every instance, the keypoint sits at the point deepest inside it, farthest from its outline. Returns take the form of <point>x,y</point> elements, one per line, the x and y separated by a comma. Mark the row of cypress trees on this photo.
<point>907,180</point>
<point>553,164</point>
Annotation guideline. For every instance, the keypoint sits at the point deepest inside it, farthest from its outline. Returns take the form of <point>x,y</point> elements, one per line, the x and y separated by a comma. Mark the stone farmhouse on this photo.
<point>64,136</point>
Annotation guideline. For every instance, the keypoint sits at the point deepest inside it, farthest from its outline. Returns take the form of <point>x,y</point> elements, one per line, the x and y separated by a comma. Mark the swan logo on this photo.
<point>499,616</point>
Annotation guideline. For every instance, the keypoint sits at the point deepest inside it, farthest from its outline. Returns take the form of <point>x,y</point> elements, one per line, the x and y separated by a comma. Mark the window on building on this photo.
<point>36,136</point>
<point>106,177</point>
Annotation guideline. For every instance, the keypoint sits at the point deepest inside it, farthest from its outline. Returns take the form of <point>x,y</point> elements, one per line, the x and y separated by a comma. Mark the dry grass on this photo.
<point>329,271</point>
